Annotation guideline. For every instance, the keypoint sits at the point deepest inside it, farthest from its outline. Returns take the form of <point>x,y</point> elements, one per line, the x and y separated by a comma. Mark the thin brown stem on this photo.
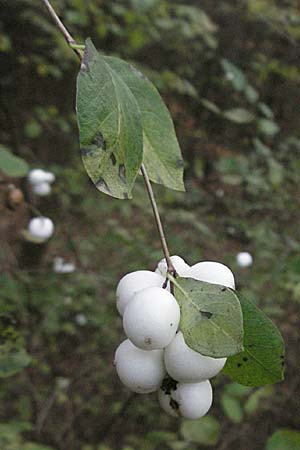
<point>62,28</point>
<point>160,229</point>
<point>164,245</point>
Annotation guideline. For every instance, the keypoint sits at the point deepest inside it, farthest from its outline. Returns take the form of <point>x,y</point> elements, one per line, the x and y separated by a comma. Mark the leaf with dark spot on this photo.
<point>109,123</point>
<point>162,156</point>
<point>263,350</point>
<point>211,320</point>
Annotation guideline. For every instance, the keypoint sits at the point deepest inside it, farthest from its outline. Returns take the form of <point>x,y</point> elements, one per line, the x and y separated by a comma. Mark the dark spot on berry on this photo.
<point>169,385</point>
<point>148,341</point>
<point>171,324</point>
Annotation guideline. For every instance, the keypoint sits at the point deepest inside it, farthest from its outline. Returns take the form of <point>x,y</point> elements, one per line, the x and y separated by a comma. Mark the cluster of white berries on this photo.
<point>40,181</point>
<point>40,229</point>
<point>155,356</point>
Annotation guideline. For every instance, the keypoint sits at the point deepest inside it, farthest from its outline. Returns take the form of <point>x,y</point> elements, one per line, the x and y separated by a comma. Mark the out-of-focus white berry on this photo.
<point>185,365</point>
<point>134,282</point>
<point>59,266</point>
<point>49,177</point>
<point>179,264</point>
<point>139,370</point>
<point>212,272</point>
<point>41,189</point>
<point>189,400</point>
<point>244,259</point>
<point>41,228</point>
<point>36,176</point>
<point>81,320</point>
<point>151,319</point>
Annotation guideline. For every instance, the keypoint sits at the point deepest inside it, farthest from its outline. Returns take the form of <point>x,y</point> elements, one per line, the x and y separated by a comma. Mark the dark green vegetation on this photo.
<point>229,74</point>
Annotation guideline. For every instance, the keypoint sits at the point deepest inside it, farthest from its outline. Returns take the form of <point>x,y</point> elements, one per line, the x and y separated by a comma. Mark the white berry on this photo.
<point>212,272</point>
<point>41,228</point>
<point>36,176</point>
<point>151,319</point>
<point>244,259</point>
<point>187,366</point>
<point>140,370</point>
<point>49,177</point>
<point>189,400</point>
<point>134,282</point>
<point>41,189</point>
<point>179,264</point>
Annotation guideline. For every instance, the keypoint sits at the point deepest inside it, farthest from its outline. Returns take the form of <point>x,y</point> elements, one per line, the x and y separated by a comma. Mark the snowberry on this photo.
<point>140,370</point>
<point>212,272</point>
<point>189,400</point>
<point>41,228</point>
<point>179,264</point>
<point>185,365</point>
<point>41,189</point>
<point>134,282</point>
<point>36,176</point>
<point>49,177</point>
<point>151,319</point>
<point>244,259</point>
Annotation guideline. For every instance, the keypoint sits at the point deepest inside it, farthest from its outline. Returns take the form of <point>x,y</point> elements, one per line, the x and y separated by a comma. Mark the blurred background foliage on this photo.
<point>229,73</point>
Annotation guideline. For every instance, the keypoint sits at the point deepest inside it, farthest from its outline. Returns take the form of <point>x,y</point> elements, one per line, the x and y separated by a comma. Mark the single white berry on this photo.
<point>189,400</point>
<point>41,189</point>
<point>41,228</point>
<point>139,370</point>
<point>151,319</point>
<point>179,264</point>
<point>185,365</point>
<point>212,272</point>
<point>244,259</point>
<point>36,176</point>
<point>134,282</point>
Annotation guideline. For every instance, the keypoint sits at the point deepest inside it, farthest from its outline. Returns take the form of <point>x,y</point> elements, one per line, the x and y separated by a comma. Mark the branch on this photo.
<point>62,28</point>
<point>72,43</point>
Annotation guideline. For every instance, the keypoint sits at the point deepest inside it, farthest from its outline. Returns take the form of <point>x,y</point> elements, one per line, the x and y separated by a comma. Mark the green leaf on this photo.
<point>110,126</point>
<point>234,75</point>
<point>232,408</point>
<point>13,356</point>
<point>210,106</point>
<point>284,439</point>
<point>261,362</point>
<point>254,400</point>
<point>211,317</point>
<point>12,165</point>
<point>268,127</point>
<point>162,156</point>
<point>204,431</point>
<point>239,115</point>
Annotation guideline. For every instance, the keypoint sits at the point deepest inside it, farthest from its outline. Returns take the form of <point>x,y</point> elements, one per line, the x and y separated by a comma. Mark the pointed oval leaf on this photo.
<point>211,317</point>
<point>162,156</point>
<point>110,126</point>
<point>284,439</point>
<point>239,115</point>
<point>12,165</point>
<point>262,360</point>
